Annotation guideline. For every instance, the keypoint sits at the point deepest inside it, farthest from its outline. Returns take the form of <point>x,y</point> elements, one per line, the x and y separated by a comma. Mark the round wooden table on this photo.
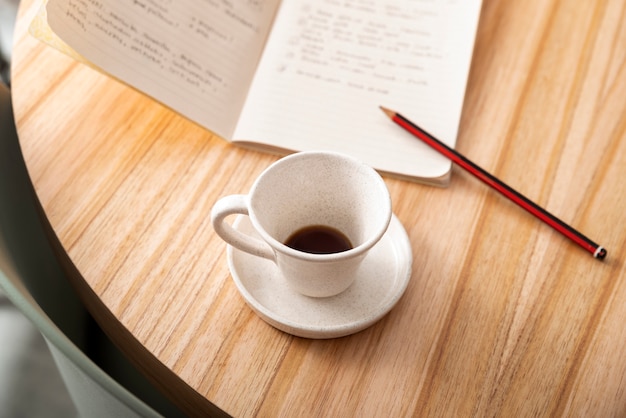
<point>502,316</point>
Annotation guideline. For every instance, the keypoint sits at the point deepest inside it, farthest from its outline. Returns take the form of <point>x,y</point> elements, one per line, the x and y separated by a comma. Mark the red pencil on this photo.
<point>598,251</point>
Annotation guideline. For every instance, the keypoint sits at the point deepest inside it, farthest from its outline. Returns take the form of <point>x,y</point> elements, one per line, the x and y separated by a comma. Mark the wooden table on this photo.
<point>502,316</point>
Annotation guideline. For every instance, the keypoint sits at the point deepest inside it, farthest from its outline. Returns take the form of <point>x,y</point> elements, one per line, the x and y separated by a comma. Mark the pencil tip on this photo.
<point>388,112</point>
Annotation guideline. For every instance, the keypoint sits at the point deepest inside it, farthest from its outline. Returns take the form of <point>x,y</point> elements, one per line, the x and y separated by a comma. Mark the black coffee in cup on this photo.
<point>319,239</point>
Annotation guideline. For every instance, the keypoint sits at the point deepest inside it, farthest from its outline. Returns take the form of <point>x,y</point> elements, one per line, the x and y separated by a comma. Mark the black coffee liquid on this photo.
<point>319,239</point>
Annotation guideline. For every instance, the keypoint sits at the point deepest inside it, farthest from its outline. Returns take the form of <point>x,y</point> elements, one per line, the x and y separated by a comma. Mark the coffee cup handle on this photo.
<point>231,205</point>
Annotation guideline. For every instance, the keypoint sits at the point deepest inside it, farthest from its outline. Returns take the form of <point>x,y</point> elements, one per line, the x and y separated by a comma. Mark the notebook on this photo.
<point>286,76</point>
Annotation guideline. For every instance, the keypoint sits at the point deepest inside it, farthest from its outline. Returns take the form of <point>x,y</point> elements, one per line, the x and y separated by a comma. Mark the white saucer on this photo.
<point>385,274</point>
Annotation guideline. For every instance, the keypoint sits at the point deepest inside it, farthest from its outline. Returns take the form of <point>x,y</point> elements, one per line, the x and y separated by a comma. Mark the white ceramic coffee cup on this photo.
<point>305,189</point>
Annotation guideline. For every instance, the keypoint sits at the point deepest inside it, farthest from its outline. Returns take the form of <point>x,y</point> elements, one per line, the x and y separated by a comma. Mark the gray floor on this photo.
<point>30,384</point>
<point>8,9</point>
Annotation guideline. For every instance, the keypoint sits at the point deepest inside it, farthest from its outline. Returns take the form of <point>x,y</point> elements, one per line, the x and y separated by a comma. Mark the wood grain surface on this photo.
<point>502,316</point>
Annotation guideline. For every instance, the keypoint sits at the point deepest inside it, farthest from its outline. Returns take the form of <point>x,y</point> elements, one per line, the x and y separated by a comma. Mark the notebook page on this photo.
<point>197,57</point>
<point>329,65</point>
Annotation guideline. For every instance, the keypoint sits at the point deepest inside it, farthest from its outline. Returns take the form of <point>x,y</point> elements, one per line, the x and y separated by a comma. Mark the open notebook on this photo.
<point>288,75</point>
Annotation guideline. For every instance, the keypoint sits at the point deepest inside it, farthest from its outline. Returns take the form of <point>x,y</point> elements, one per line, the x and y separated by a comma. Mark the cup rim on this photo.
<point>329,257</point>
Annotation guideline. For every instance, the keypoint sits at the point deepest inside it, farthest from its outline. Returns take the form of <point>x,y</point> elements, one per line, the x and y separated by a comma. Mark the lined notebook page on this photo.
<point>197,57</point>
<point>329,65</point>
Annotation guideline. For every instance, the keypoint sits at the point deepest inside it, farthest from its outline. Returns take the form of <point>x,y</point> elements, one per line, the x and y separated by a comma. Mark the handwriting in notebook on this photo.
<point>364,45</point>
